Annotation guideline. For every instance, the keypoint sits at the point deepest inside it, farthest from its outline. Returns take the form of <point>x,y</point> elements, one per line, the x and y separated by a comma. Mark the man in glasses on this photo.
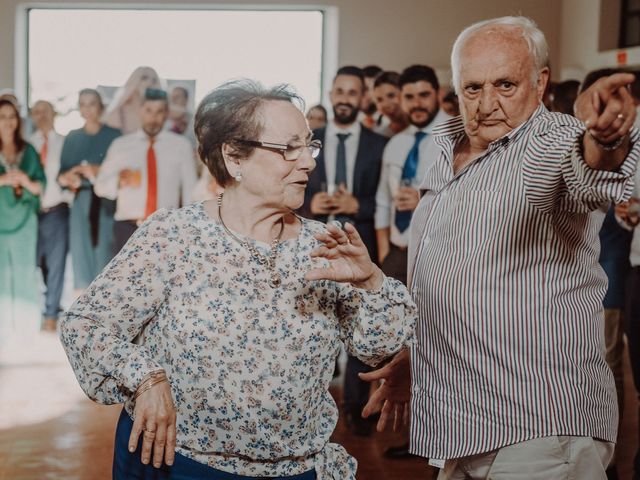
<point>343,187</point>
<point>146,170</point>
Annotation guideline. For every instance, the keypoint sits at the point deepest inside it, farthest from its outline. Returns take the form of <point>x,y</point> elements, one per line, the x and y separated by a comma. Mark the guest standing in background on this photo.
<point>146,170</point>
<point>22,181</point>
<point>124,110</point>
<point>91,218</point>
<point>53,220</point>
<point>317,117</point>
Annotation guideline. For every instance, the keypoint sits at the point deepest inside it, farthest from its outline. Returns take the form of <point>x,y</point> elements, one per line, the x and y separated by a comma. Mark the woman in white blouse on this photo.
<point>219,323</point>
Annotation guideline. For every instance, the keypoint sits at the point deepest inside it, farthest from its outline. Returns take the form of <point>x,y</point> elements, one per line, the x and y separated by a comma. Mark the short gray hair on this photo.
<point>534,37</point>
<point>230,112</point>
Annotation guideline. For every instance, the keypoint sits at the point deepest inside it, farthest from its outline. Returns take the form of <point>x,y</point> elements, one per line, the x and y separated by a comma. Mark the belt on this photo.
<point>55,208</point>
<point>397,247</point>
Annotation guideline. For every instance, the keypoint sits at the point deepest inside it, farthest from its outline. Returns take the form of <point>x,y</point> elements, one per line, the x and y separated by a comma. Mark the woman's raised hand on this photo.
<point>155,419</point>
<point>348,258</point>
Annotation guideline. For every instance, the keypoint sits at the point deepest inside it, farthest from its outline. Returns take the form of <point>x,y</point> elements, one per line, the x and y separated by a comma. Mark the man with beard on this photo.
<point>146,170</point>
<point>343,187</point>
<point>405,161</point>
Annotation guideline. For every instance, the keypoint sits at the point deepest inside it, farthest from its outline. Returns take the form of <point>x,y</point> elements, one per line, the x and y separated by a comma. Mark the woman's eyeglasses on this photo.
<point>291,153</point>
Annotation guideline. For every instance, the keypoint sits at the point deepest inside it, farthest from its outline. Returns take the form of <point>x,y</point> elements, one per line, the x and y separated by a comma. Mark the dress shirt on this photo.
<point>503,265</point>
<point>176,172</point>
<point>53,194</point>
<point>393,159</point>
<point>249,365</point>
<point>331,147</point>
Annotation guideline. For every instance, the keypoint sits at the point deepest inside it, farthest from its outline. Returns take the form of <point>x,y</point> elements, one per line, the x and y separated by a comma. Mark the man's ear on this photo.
<point>543,80</point>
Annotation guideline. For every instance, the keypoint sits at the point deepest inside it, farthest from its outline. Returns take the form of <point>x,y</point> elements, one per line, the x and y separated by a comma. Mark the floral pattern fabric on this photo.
<point>249,365</point>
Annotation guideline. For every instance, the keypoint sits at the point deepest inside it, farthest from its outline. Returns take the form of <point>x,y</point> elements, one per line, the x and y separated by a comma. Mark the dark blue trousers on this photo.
<point>53,245</point>
<point>127,466</point>
<point>356,391</point>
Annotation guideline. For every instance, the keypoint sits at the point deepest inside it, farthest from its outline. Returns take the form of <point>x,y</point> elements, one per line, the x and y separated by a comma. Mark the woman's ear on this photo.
<point>231,162</point>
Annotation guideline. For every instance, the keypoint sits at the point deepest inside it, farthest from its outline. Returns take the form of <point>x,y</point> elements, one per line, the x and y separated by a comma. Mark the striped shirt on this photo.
<point>503,265</point>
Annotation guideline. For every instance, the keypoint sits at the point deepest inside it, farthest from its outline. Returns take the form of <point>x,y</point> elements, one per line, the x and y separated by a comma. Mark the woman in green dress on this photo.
<point>91,217</point>
<point>22,180</point>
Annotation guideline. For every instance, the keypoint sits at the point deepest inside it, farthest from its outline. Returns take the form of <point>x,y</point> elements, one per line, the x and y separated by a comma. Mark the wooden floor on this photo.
<point>48,430</point>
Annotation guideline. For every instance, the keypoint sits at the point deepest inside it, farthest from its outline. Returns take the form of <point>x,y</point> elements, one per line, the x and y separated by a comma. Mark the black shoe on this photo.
<point>612,473</point>
<point>357,425</point>
<point>401,451</point>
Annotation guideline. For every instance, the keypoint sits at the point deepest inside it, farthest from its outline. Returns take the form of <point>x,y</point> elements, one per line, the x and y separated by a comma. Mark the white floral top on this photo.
<point>249,365</point>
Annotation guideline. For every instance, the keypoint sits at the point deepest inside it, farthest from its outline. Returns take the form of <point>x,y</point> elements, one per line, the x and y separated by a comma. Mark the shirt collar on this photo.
<point>440,118</point>
<point>353,129</point>
<point>455,127</point>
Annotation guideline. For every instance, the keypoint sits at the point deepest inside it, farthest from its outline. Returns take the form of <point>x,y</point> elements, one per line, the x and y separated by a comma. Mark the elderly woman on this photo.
<point>22,180</point>
<point>218,324</point>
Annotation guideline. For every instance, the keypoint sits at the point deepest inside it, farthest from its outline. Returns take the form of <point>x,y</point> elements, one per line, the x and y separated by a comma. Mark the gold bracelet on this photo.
<point>147,386</point>
<point>151,377</point>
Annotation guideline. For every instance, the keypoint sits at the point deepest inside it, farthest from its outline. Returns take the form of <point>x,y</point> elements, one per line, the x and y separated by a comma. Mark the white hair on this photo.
<point>534,37</point>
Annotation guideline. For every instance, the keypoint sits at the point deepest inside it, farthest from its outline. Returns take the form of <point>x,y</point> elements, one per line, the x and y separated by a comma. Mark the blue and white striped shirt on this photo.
<point>503,265</point>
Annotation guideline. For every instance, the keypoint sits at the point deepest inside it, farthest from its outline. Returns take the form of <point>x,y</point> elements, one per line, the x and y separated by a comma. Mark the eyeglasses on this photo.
<point>291,153</point>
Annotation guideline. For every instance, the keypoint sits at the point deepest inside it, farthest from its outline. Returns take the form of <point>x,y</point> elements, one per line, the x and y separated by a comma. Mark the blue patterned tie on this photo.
<point>403,219</point>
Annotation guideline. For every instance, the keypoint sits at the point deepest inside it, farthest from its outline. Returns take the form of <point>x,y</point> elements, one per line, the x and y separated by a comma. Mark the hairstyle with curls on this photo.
<point>537,43</point>
<point>231,112</point>
<point>18,141</point>
<point>417,73</point>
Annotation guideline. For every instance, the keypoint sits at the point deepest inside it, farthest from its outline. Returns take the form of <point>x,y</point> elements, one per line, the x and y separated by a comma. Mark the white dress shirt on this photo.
<point>53,194</point>
<point>393,159</point>
<point>331,147</point>
<point>176,173</point>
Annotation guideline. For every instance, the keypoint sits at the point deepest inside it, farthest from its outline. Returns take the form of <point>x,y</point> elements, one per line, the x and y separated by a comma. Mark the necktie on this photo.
<point>44,150</point>
<point>341,160</point>
<point>341,168</point>
<point>152,180</point>
<point>403,219</point>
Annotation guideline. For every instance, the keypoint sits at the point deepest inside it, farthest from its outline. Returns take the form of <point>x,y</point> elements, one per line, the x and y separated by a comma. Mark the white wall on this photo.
<point>579,40</point>
<point>391,33</point>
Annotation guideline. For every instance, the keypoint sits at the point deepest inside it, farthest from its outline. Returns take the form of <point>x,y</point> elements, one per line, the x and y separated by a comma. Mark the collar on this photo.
<point>454,128</point>
<point>440,118</point>
<point>141,135</point>
<point>353,129</point>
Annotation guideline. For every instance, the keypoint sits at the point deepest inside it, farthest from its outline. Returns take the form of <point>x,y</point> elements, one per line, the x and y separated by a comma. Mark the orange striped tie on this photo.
<point>152,181</point>
<point>44,150</point>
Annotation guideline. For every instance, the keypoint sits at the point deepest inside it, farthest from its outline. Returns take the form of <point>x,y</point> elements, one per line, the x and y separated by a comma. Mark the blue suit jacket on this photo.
<point>365,184</point>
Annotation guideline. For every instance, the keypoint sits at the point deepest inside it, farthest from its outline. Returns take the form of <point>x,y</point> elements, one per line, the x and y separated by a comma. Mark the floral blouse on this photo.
<point>249,365</point>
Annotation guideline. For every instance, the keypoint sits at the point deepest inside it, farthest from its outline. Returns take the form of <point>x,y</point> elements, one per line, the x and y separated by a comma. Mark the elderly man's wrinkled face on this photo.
<point>265,173</point>
<point>496,89</point>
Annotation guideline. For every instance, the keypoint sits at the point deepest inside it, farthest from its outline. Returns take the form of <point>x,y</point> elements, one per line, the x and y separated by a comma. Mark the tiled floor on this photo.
<point>49,430</point>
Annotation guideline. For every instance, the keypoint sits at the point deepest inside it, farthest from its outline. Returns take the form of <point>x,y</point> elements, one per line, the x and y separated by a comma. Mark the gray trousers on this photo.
<point>546,458</point>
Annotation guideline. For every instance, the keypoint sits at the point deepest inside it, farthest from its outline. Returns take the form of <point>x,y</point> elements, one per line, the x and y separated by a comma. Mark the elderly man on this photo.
<point>509,378</point>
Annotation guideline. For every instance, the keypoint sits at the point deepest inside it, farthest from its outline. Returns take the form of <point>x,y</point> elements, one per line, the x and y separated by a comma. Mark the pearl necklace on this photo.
<point>274,277</point>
